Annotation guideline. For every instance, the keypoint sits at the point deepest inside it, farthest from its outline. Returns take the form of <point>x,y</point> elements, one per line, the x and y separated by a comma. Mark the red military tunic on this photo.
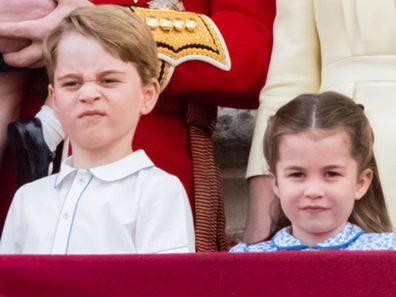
<point>173,134</point>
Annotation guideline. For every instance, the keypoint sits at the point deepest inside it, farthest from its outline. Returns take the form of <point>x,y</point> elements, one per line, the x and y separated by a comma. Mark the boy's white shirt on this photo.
<point>129,206</point>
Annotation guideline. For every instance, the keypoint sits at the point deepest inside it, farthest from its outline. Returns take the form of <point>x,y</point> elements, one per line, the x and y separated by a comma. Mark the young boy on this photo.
<point>102,65</point>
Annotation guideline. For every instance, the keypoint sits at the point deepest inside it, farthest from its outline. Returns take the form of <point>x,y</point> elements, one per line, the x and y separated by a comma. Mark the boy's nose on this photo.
<point>88,93</point>
<point>314,189</point>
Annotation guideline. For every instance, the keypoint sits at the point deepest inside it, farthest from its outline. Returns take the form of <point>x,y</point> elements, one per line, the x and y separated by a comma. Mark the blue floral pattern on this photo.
<point>351,238</point>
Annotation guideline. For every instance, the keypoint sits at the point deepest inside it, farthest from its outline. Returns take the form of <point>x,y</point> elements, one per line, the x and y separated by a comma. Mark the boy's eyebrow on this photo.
<point>69,75</point>
<point>107,72</point>
<point>103,73</point>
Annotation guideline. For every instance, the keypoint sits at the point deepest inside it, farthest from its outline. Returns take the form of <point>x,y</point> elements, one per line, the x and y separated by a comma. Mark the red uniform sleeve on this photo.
<point>247,30</point>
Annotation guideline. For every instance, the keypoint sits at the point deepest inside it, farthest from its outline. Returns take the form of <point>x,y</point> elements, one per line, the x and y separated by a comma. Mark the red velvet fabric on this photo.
<point>294,274</point>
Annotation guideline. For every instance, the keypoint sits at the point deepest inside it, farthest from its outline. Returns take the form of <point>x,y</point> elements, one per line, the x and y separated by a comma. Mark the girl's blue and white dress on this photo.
<point>351,238</point>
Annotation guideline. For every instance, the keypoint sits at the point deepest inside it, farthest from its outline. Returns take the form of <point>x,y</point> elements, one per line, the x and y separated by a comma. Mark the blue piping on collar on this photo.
<point>319,247</point>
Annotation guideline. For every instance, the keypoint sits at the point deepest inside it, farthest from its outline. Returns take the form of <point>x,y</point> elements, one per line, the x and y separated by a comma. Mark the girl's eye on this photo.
<point>297,174</point>
<point>332,173</point>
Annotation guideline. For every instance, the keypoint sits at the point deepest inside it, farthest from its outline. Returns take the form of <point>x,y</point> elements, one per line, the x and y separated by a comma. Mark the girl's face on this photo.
<point>317,182</point>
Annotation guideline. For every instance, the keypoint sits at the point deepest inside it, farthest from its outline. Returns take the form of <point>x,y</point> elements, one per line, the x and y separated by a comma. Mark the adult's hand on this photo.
<point>18,10</point>
<point>21,10</point>
<point>35,31</point>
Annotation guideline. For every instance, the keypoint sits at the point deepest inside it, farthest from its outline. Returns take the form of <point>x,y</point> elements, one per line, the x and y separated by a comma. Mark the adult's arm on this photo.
<point>294,69</point>
<point>247,30</point>
<point>258,221</point>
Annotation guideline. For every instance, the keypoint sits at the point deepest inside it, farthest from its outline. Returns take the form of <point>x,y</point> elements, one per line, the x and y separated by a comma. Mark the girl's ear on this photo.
<point>274,184</point>
<point>364,182</point>
<point>151,93</point>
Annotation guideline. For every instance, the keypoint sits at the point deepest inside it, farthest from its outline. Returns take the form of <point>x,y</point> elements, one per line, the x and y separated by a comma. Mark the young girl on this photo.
<point>320,153</point>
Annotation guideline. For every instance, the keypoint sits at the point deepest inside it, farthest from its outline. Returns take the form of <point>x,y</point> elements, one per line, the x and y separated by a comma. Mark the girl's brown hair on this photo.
<point>330,111</point>
<point>119,30</point>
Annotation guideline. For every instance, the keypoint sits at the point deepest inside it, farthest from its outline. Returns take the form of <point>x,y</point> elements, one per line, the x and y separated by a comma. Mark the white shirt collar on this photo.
<point>117,170</point>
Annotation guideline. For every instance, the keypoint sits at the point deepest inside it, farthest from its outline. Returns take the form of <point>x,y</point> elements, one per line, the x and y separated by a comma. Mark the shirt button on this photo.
<point>66,215</point>
<point>81,180</point>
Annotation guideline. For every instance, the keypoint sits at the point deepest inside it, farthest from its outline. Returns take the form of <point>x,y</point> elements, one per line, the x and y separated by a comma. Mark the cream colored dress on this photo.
<point>347,46</point>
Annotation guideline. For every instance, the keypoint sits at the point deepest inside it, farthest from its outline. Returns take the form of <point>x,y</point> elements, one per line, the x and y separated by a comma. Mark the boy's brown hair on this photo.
<point>119,30</point>
<point>330,111</point>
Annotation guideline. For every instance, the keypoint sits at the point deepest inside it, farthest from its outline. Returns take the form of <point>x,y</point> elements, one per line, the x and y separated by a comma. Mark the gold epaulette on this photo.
<point>184,36</point>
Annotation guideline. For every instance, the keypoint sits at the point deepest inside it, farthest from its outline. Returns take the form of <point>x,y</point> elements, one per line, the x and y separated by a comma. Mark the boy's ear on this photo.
<point>364,182</point>
<point>151,93</point>
<point>51,98</point>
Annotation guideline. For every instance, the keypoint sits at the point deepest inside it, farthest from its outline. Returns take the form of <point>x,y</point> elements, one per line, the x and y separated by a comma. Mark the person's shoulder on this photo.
<point>375,241</point>
<point>154,176</point>
<point>263,246</point>
<point>155,182</point>
<point>36,190</point>
<point>41,184</point>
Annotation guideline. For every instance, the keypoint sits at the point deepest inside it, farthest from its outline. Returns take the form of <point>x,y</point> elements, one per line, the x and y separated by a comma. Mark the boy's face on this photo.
<point>98,97</point>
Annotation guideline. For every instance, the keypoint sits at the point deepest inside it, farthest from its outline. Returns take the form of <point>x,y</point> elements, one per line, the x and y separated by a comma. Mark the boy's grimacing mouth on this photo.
<point>91,113</point>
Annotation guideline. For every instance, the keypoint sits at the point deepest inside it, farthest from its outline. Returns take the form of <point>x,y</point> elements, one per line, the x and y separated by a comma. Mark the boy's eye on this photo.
<point>70,84</point>
<point>108,81</point>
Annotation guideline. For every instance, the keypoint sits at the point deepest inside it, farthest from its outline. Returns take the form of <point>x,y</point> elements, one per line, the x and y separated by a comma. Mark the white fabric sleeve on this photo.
<point>52,129</point>
<point>164,221</point>
<point>10,242</point>
<point>294,69</point>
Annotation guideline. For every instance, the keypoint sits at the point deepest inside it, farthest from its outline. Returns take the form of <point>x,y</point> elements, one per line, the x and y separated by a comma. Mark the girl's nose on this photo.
<point>314,189</point>
<point>89,92</point>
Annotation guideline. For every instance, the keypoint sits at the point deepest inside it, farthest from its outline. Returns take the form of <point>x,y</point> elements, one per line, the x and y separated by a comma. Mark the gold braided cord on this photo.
<point>164,73</point>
